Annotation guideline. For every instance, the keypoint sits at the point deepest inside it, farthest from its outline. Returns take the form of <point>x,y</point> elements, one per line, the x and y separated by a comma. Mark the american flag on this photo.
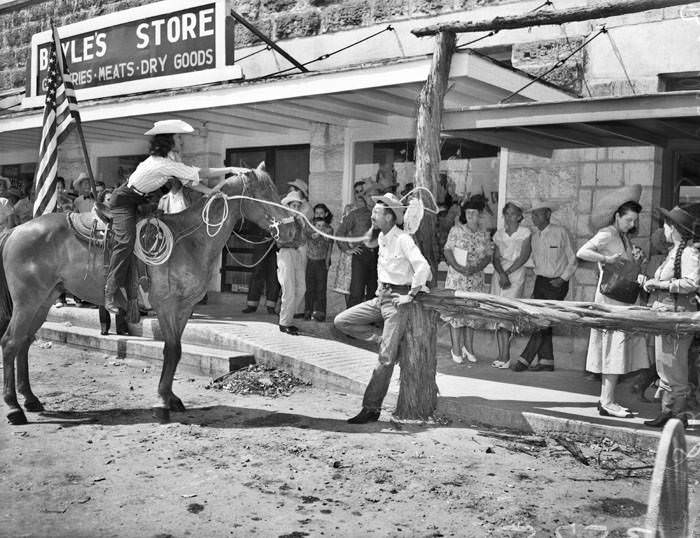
<point>60,114</point>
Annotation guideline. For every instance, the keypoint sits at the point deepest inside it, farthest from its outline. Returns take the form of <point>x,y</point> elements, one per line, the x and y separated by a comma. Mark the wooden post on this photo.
<point>667,510</point>
<point>543,17</point>
<point>418,350</point>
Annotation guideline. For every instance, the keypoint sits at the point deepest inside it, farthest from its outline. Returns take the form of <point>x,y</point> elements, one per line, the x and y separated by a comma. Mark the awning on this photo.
<point>367,94</point>
<point>661,119</point>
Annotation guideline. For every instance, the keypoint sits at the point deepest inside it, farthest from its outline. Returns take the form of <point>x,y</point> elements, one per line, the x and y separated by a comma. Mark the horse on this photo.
<point>42,258</point>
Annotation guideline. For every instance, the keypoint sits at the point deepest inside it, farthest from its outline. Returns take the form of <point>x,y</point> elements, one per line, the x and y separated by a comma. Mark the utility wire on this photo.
<point>622,63</point>
<point>545,4</point>
<point>466,45</point>
<point>555,66</point>
<point>266,47</point>
<point>325,56</point>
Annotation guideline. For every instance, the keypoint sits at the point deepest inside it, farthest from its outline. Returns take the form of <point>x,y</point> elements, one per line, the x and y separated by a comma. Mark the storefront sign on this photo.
<point>157,46</point>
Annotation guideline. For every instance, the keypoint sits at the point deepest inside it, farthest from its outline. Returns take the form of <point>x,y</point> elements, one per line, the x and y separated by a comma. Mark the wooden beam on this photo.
<point>501,139</point>
<point>302,112</point>
<point>544,18</point>
<point>350,110</point>
<point>630,133</point>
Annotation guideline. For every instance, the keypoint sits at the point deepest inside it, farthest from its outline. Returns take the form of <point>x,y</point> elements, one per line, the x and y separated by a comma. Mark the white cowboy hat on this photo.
<point>293,196</point>
<point>523,206</point>
<point>606,207</point>
<point>542,204</point>
<point>78,180</point>
<point>392,202</point>
<point>301,185</point>
<point>170,127</point>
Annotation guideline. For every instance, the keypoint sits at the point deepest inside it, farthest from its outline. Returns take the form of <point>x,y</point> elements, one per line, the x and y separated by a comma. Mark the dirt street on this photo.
<point>97,464</point>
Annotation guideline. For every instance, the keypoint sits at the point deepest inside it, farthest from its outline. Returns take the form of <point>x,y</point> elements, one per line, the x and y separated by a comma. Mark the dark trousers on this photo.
<point>106,321</point>
<point>540,343</point>
<point>316,284</point>
<point>124,204</point>
<point>363,279</point>
<point>263,279</point>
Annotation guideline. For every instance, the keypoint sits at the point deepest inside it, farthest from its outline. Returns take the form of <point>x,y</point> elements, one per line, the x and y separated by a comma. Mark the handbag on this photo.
<point>619,281</point>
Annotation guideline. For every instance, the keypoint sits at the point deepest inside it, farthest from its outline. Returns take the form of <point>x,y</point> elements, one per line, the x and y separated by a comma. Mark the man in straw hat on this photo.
<point>402,272</point>
<point>84,202</point>
<point>555,264</point>
<point>363,269</point>
<point>150,175</point>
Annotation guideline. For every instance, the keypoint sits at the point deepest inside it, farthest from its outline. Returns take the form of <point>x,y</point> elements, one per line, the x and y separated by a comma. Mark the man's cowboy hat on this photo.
<point>293,196</point>
<point>522,206</point>
<point>684,218</point>
<point>301,185</point>
<point>78,180</point>
<point>6,181</point>
<point>373,188</point>
<point>170,127</point>
<point>542,204</point>
<point>605,208</point>
<point>392,202</point>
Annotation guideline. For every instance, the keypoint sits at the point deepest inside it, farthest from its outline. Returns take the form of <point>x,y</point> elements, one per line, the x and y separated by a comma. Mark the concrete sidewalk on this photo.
<point>544,402</point>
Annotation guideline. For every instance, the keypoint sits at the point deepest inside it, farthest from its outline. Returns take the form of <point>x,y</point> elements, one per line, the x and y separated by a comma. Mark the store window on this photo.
<point>114,171</point>
<point>18,174</point>
<point>466,168</point>
<point>283,163</point>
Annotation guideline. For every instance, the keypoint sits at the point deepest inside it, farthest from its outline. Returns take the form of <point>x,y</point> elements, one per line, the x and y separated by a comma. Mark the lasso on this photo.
<point>162,248</point>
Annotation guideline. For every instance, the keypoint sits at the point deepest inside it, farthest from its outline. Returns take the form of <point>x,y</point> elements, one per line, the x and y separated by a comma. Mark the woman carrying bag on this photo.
<point>673,289</point>
<point>613,353</point>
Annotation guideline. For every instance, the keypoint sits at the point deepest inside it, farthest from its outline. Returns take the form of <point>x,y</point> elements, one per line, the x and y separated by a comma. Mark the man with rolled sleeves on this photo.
<point>555,263</point>
<point>402,272</point>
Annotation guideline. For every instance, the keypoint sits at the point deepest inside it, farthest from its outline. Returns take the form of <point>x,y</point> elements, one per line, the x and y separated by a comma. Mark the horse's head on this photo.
<point>256,184</point>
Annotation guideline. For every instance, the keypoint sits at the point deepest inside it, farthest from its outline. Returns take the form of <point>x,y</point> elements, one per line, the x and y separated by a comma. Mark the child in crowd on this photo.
<point>318,261</point>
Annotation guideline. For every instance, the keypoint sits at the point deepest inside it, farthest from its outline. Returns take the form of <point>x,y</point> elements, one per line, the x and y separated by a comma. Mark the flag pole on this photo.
<point>75,114</point>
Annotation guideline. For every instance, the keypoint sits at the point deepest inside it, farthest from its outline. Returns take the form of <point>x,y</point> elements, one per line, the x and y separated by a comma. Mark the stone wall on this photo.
<point>575,180</point>
<point>278,19</point>
<point>538,57</point>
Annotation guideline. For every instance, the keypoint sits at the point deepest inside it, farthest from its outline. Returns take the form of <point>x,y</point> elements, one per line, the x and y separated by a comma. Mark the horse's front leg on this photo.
<point>172,324</point>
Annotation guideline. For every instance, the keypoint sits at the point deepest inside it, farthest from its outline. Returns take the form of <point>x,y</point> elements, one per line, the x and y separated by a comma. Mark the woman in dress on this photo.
<point>473,248</point>
<point>613,353</point>
<point>673,289</point>
<point>511,252</point>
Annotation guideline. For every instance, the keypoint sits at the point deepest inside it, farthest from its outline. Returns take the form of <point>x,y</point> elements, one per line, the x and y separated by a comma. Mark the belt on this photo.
<point>136,191</point>
<point>402,289</point>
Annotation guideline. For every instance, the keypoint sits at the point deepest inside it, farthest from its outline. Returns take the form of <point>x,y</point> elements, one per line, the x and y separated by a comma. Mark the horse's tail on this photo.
<point>5,297</point>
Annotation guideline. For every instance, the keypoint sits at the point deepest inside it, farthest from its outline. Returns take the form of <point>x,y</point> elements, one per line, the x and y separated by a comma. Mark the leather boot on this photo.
<point>110,302</point>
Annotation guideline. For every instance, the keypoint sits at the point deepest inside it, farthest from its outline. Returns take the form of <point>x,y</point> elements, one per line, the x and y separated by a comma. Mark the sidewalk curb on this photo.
<point>300,355</point>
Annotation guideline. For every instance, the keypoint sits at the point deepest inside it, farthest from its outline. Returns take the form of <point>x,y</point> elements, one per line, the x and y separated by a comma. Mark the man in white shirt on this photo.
<point>555,263</point>
<point>402,272</point>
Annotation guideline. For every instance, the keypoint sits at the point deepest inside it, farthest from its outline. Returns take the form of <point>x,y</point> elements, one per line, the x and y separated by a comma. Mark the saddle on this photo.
<point>97,233</point>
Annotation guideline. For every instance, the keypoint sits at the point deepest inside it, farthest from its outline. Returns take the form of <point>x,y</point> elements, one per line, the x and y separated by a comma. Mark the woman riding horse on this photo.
<point>150,175</point>
<point>43,258</point>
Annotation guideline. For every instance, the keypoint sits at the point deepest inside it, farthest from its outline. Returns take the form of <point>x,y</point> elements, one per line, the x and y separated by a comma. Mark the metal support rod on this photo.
<point>268,41</point>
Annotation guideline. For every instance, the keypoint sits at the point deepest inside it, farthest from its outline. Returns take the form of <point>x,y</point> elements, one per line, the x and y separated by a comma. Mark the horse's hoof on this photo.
<point>176,405</point>
<point>34,406</point>
<point>16,417</point>
<point>162,414</point>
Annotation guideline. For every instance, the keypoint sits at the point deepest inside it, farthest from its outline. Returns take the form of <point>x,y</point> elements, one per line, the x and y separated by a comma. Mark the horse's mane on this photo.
<point>257,178</point>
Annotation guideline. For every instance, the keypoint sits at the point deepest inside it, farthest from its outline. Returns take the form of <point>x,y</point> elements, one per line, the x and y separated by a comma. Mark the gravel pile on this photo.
<point>260,380</point>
